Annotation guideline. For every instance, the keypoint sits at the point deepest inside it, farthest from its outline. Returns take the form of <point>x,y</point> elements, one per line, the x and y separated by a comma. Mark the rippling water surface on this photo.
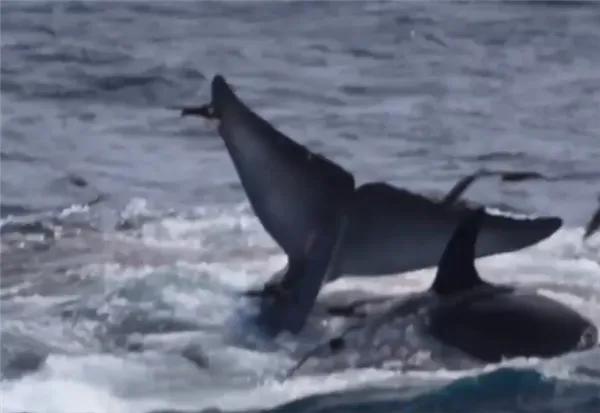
<point>127,238</point>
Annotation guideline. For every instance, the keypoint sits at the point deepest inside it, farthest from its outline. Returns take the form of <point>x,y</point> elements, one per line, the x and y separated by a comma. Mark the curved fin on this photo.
<point>294,192</point>
<point>506,176</point>
<point>391,230</point>
<point>456,269</point>
<point>460,187</point>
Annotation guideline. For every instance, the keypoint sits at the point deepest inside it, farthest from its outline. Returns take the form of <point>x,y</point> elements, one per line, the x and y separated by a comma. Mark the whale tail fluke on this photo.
<point>502,233</point>
<point>298,196</point>
<point>392,230</point>
<point>221,96</point>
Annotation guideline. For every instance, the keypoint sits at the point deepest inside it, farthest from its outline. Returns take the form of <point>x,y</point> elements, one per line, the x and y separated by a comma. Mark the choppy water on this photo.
<point>100,304</point>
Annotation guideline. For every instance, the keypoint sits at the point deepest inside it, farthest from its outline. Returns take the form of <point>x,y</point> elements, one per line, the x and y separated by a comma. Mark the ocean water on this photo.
<point>127,238</point>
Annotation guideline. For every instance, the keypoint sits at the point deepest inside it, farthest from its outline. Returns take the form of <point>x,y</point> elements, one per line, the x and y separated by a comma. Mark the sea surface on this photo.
<point>127,238</point>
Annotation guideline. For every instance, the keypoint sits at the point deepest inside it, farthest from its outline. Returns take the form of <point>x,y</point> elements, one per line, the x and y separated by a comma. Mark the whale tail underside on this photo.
<point>299,197</point>
<point>391,230</point>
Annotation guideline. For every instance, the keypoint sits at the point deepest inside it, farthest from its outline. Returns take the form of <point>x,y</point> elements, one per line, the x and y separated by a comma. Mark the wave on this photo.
<point>500,391</point>
<point>13,209</point>
<point>503,390</point>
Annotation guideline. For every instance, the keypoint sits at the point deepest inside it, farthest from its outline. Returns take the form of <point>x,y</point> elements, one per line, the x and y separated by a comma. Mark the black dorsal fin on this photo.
<point>456,269</point>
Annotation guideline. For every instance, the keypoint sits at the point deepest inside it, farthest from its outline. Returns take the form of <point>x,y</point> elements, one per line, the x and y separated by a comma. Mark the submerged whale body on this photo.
<point>326,226</point>
<point>492,322</point>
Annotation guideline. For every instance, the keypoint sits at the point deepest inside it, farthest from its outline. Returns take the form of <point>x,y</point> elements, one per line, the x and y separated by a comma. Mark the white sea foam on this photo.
<point>204,290</point>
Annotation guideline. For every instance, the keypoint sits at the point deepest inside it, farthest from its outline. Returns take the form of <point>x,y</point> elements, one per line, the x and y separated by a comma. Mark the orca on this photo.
<point>326,226</point>
<point>493,322</point>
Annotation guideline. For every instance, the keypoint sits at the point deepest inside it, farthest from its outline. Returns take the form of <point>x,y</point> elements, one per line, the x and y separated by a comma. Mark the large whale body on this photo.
<point>326,226</point>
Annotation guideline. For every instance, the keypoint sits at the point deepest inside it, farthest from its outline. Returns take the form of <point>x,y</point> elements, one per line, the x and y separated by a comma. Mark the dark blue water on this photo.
<point>126,235</point>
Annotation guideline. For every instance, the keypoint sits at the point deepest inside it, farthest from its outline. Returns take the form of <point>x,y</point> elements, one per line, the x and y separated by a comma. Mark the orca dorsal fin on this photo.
<point>456,269</point>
